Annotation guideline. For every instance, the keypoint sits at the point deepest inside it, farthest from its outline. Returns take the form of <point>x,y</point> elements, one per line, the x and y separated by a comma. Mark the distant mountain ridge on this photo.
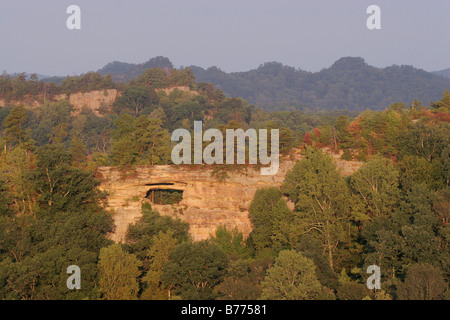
<point>444,73</point>
<point>40,76</point>
<point>122,71</point>
<point>350,83</point>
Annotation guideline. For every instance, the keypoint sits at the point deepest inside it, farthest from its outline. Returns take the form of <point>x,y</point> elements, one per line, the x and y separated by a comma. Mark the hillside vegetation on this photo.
<point>350,83</point>
<point>392,212</point>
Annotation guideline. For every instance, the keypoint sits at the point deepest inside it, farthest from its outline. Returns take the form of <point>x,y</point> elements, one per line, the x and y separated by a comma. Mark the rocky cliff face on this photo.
<point>207,202</point>
<point>94,100</point>
<point>29,102</point>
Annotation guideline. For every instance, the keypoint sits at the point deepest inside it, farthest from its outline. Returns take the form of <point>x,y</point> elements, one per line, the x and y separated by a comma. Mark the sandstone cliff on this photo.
<point>93,100</point>
<point>207,202</point>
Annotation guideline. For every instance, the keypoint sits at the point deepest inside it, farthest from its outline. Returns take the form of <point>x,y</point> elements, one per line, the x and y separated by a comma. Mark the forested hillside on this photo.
<point>312,239</point>
<point>349,84</point>
<point>122,71</point>
<point>444,73</point>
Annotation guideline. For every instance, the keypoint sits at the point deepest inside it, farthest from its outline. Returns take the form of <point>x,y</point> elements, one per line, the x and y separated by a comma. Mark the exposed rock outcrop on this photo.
<point>93,100</point>
<point>29,102</point>
<point>207,202</point>
<point>185,89</point>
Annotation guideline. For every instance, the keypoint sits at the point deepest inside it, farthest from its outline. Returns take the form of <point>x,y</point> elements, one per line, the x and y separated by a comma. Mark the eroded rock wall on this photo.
<point>207,202</point>
<point>93,100</point>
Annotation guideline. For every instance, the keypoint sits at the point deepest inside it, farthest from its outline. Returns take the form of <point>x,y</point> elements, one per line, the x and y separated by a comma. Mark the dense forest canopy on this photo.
<point>312,239</point>
<point>350,83</point>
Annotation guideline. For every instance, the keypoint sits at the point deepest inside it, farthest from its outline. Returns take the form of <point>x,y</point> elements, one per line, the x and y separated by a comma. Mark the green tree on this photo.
<point>61,186</point>
<point>243,279</point>
<point>118,273</point>
<point>78,150</point>
<point>376,183</point>
<point>283,219</point>
<point>16,172</point>
<point>136,99</point>
<point>140,141</point>
<point>15,131</point>
<point>195,269</point>
<point>158,255</point>
<point>67,226</point>
<point>422,282</point>
<point>141,235</point>
<point>441,205</point>
<point>311,248</point>
<point>230,241</point>
<point>412,234</point>
<point>261,215</point>
<point>293,277</point>
<point>323,203</point>
<point>425,140</point>
<point>152,142</point>
<point>155,78</point>
<point>287,140</point>
<point>444,103</point>
<point>416,170</point>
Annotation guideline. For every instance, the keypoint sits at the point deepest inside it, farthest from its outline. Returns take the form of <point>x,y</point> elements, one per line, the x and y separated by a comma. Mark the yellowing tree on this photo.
<point>293,277</point>
<point>118,273</point>
<point>158,255</point>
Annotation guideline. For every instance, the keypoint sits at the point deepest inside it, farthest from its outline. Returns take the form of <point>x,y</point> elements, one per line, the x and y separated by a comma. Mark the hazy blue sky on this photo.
<point>233,35</point>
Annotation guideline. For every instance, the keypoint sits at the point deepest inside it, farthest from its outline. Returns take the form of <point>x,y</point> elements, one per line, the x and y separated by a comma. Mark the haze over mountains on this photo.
<point>350,83</point>
<point>444,73</point>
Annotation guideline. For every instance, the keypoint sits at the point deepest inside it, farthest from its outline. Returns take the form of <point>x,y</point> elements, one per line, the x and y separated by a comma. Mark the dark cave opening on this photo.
<point>164,196</point>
